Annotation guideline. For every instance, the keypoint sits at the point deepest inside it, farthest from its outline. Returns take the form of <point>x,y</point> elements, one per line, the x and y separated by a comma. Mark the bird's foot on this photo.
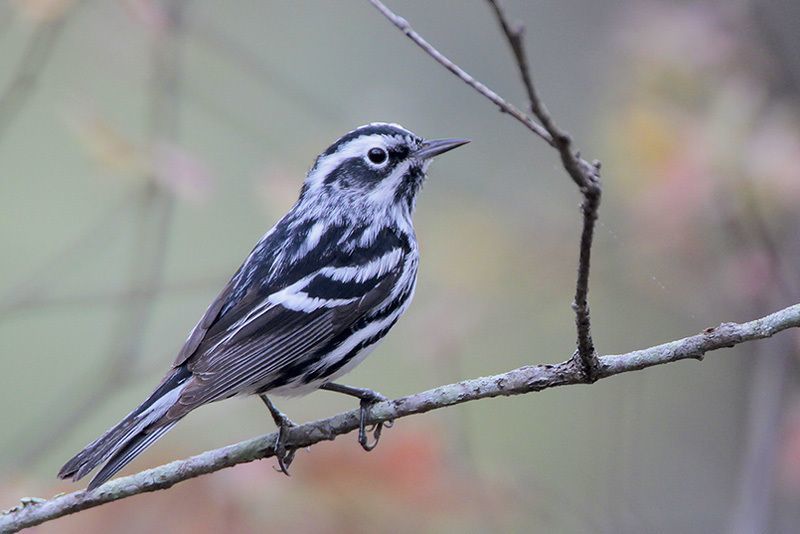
<point>376,429</point>
<point>368,398</point>
<point>285,456</point>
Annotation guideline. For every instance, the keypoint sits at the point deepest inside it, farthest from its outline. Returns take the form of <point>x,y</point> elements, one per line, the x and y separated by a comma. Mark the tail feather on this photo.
<point>97,451</point>
<point>132,448</point>
<point>129,437</point>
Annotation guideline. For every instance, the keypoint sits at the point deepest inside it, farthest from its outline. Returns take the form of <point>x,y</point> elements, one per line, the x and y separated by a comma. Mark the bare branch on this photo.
<point>403,25</point>
<point>585,175</point>
<point>582,172</point>
<point>519,381</point>
<point>586,350</point>
<point>587,368</point>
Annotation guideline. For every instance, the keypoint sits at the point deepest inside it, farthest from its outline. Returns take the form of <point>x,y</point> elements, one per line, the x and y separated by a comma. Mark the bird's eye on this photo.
<point>377,155</point>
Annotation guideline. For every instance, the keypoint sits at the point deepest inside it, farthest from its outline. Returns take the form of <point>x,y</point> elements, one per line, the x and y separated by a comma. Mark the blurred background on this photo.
<point>145,145</point>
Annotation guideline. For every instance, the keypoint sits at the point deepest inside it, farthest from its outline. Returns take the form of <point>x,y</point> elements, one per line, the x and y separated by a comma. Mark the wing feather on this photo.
<point>270,342</point>
<point>200,330</point>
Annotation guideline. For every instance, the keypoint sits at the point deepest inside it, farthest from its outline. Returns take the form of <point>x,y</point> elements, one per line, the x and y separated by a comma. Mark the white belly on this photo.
<point>298,390</point>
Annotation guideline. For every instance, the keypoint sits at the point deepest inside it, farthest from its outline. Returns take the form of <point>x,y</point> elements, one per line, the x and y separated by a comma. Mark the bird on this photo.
<point>312,299</point>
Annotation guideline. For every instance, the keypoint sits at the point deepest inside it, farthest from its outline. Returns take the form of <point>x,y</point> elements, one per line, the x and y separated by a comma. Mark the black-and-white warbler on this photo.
<point>312,299</point>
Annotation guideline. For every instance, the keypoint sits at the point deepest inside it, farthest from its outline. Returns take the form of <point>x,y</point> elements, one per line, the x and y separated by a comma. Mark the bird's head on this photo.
<point>376,168</point>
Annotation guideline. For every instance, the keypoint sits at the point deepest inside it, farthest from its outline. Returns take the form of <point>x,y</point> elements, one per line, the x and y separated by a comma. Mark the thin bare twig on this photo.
<point>585,175</point>
<point>403,25</point>
<point>581,172</point>
<point>519,381</point>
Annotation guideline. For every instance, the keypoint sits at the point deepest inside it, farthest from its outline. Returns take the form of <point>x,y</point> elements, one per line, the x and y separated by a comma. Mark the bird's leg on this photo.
<point>284,424</point>
<point>368,398</point>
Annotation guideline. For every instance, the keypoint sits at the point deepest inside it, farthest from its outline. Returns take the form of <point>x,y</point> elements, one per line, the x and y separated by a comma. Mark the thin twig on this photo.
<point>403,25</point>
<point>585,175</point>
<point>582,172</point>
<point>519,381</point>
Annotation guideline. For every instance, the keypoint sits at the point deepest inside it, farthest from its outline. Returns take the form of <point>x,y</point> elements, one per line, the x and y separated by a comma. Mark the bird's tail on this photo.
<point>128,438</point>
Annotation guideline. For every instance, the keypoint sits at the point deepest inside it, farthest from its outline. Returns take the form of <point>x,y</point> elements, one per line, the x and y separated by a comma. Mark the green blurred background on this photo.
<point>146,145</point>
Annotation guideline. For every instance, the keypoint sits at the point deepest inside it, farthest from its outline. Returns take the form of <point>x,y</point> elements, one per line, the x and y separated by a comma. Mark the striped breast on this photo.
<point>350,346</point>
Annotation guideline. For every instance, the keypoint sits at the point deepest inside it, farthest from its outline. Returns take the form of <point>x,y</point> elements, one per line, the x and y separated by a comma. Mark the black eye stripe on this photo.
<point>399,152</point>
<point>358,169</point>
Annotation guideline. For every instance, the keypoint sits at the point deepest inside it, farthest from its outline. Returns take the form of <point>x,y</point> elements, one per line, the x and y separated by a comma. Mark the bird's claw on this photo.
<point>368,398</point>
<point>376,429</point>
<point>285,456</point>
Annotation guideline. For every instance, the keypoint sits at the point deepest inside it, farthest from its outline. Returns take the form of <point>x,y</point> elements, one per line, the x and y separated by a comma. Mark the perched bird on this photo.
<point>312,299</point>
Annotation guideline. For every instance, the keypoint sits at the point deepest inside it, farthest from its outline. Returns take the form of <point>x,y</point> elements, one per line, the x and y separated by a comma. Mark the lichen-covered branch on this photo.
<point>516,382</point>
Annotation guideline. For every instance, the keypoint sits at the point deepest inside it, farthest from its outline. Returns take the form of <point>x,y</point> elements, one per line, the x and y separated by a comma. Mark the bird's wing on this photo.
<point>286,334</point>
<point>200,330</point>
<point>233,295</point>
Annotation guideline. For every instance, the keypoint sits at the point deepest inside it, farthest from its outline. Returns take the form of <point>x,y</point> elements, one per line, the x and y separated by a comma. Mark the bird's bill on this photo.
<point>434,147</point>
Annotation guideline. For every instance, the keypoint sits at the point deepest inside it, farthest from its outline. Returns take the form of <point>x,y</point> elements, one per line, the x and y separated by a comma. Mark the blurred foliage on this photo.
<point>704,146</point>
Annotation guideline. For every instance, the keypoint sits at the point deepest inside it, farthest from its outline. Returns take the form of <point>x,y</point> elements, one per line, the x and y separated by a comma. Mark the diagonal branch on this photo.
<point>582,172</point>
<point>585,175</point>
<point>519,381</point>
<point>506,107</point>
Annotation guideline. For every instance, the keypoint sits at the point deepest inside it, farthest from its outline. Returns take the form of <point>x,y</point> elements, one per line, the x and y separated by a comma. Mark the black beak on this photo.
<point>434,147</point>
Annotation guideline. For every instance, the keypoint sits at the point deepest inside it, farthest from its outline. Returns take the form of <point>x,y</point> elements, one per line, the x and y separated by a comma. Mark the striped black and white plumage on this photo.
<point>312,299</point>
